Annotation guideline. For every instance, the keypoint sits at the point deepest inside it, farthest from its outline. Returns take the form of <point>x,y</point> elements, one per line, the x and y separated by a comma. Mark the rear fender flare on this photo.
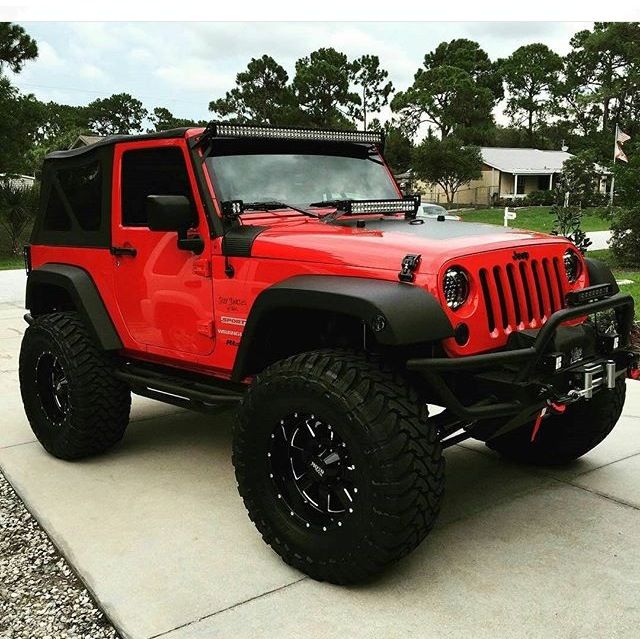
<point>85,298</point>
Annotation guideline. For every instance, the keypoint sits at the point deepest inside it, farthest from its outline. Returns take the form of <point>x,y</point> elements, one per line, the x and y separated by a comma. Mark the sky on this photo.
<point>183,66</point>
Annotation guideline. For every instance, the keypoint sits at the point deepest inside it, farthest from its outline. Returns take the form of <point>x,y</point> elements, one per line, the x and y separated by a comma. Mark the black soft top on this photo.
<point>113,139</point>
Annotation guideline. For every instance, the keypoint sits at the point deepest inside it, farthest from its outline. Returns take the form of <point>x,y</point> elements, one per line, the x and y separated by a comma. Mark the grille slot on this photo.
<point>521,295</point>
<point>486,294</point>
<point>514,293</point>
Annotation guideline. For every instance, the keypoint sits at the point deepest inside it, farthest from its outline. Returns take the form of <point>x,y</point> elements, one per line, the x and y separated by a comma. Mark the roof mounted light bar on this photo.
<point>225,130</point>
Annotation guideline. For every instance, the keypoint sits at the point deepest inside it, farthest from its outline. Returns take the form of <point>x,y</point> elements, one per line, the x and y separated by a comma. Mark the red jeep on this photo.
<point>281,271</point>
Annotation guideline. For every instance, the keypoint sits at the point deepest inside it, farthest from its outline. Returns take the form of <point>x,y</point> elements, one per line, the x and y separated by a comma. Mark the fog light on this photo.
<point>461,334</point>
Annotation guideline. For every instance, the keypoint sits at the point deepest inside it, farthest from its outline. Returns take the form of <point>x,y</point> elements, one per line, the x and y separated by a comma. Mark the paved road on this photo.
<point>157,531</point>
<point>599,240</point>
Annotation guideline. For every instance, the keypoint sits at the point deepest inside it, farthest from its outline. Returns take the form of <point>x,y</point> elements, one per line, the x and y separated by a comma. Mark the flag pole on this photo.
<point>613,175</point>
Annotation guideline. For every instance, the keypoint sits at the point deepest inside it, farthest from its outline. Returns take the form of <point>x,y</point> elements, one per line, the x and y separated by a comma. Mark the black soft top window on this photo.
<point>75,201</point>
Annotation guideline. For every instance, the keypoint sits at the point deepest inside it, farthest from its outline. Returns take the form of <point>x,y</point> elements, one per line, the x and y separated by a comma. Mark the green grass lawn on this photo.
<point>621,274</point>
<point>11,261</point>
<point>534,218</point>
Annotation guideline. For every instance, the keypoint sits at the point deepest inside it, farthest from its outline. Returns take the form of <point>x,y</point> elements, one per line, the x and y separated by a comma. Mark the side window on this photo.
<point>159,171</point>
<point>76,193</point>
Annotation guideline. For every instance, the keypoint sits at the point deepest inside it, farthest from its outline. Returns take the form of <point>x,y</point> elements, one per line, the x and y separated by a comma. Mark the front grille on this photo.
<point>523,294</point>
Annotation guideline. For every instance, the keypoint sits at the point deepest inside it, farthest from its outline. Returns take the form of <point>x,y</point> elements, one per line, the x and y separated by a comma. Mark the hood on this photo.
<point>383,243</point>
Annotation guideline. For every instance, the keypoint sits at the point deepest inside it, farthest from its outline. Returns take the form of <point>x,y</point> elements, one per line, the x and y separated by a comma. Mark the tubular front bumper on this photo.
<point>523,368</point>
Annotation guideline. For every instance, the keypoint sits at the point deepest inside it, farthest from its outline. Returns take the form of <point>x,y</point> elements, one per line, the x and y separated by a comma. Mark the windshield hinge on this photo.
<point>409,265</point>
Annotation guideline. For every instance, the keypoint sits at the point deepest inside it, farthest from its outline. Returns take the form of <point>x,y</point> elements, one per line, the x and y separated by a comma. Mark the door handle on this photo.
<point>123,250</point>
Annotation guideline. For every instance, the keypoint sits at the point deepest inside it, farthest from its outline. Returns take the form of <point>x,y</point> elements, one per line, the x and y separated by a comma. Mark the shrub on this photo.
<point>18,207</point>
<point>540,198</point>
<point>567,221</point>
<point>625,238</point>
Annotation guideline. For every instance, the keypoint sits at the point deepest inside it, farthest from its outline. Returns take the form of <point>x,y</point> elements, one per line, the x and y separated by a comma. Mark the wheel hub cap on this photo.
<point>53,387</point>
<point>312,472</point>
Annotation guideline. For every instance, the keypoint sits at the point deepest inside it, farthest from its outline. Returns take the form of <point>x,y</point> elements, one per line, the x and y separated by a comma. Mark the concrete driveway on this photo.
<point>158,533</point>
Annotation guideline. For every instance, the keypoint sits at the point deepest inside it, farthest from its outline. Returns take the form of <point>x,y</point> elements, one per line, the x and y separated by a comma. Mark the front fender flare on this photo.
<point>399,314</point>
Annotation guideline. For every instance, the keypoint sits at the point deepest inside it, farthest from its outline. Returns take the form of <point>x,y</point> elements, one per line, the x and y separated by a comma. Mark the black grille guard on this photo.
<point>530,357</point>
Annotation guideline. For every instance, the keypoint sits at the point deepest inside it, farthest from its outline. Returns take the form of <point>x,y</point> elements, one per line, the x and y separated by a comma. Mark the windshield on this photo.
<point>298,174</point>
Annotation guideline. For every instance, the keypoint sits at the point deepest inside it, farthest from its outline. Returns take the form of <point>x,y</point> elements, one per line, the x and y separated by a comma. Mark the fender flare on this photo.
<point>600,273</point>
<point>84,295</point>
<point>399,314</point>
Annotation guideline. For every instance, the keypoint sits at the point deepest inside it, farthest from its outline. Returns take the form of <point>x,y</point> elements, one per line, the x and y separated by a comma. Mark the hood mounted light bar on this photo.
<point>408,205</point>
<point>256,132</point>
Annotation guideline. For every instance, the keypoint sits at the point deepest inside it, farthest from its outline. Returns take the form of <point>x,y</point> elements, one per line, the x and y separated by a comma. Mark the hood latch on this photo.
<point>409,265</point>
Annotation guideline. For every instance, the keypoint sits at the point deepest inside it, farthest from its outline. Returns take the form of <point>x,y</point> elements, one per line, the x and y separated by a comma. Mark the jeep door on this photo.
<point>164,296</point>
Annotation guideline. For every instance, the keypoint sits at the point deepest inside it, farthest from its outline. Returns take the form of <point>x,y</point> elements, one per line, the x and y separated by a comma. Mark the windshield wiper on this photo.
<point>329,204</point>
<point>272,205</point>
<point>341,208</point>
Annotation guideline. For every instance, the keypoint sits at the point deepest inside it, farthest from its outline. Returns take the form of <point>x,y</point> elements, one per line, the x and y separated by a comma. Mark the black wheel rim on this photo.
<point>52,387</point>
<point>312,472</point>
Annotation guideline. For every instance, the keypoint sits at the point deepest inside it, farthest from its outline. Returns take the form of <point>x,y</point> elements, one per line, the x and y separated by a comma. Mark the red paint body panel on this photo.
<point>168,307</point>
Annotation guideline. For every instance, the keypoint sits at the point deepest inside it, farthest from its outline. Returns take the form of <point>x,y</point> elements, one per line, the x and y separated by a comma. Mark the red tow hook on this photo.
<point>558,409</point>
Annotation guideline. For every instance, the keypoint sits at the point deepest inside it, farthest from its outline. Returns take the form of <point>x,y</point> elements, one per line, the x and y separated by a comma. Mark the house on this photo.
<point>85,140</point>
<point>508,173</point>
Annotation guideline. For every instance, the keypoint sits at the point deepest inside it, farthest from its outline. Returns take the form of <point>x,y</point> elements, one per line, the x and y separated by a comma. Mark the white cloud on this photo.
<point>194,74</point>
<point>47,56</point>
<point>185,65</point>
<point>91,72</point>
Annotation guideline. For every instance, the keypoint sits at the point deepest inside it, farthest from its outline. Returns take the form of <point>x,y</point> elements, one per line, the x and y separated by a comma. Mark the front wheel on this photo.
<point>337,466</point>
<point>563,438</point>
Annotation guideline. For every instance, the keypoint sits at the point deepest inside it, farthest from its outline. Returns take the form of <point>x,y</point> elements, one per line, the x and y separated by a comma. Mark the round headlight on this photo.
<point>572,265</point>
<point>455,285</point>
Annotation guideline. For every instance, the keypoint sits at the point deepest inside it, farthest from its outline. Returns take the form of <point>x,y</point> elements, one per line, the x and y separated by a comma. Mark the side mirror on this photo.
<point>169,213</point>
<point>174,213</point>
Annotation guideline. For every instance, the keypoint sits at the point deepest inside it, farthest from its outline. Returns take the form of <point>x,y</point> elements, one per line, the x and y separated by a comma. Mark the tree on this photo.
<point>580,180</point>
<point>607,62</point>
<point>398,147</point>
<point>451,92</point>
<point>447,163</point>
<point>163,120</point>
<point>16,47</point>
<point>18,125</point>
<point>261,95</point>
<point>374,89</point>
<point>530,74</point>
<point>18,206</point>
<point>321,87</point>
<point>625,240</point>
<point>573,93</point>
<point>120,113</point>
<point>469,56</point>
<point>56,120</point>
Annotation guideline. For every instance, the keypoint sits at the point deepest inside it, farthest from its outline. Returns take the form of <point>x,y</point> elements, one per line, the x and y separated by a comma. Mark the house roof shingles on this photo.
<point>86,140</point>
<point>524,161</point>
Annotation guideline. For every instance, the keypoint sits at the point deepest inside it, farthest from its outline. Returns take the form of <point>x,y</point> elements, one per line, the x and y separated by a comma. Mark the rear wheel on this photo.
<point>563,438</point>
<point>73,402</point>
<point>336,464</point>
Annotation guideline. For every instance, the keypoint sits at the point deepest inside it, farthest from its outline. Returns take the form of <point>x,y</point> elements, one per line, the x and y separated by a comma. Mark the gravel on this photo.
<point>40,596</point>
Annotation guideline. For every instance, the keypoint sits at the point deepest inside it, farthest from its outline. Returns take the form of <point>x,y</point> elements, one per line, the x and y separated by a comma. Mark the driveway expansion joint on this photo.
<point>231,607</point>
